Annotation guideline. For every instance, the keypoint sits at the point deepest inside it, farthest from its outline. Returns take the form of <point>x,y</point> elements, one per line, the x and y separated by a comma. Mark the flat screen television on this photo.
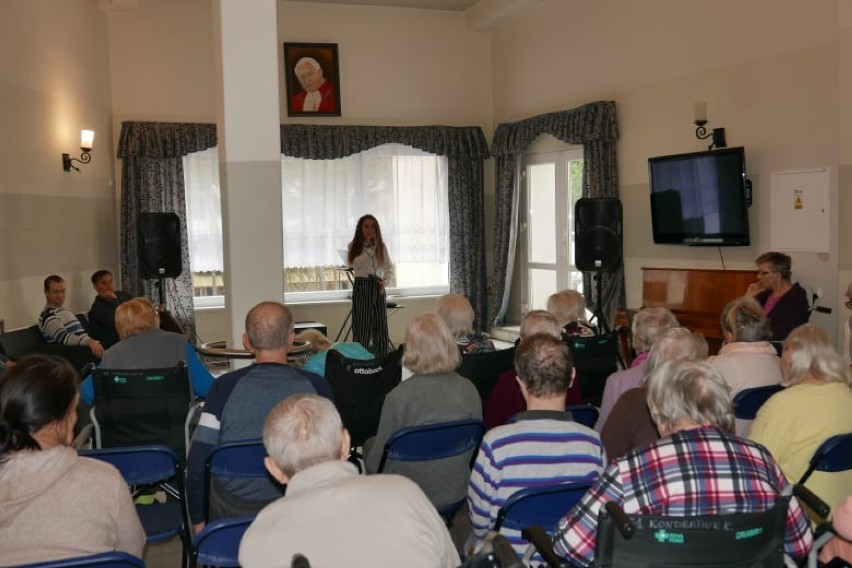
<point>700,198</point>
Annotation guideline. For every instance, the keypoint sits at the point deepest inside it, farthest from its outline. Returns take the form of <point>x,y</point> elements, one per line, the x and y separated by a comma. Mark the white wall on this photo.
<point>54,81</point>
<point>768,70</point>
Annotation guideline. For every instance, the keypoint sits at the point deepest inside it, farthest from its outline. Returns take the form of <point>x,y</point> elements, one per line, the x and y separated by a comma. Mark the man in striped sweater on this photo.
<point>58,324</point>
<point>543,446</point>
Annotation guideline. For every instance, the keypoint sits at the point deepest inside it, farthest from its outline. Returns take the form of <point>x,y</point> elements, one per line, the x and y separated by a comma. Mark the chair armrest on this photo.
<point>810,499</point>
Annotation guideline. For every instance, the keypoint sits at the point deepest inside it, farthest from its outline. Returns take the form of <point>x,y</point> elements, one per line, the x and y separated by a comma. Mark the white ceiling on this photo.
<point>453,5</point>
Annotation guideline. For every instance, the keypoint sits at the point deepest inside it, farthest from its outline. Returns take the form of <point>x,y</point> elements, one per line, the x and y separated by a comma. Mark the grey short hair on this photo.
<point>648,324</point>
<point>430,348</point>
<point>677,343</point>
<point>808,350</point>
<point>301,431</point>
<point>540,321</point>
<point>745,320</point>
<point>456,312</point>
<point>690,392</point>
<point>567,306</point>
<point>269,325</point>
<point>544,365</point>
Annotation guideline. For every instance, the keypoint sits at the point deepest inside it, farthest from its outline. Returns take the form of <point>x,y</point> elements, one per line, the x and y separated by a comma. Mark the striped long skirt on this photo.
<point>370,316</point>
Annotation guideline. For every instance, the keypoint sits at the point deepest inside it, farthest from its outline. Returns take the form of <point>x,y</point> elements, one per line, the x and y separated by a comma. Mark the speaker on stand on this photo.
<point>158,248</point>
<point>597,243</point>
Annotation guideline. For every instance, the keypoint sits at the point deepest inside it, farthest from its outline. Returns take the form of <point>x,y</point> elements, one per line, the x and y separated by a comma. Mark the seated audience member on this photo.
<point>58,325</point>
<point>144,345</point>
<point>457,313</point>
<point>698,467</point>
<point>630,425</point>
<point>435,393</point>
<point>316,362</point>
<point>235,409</point>
<point>506,399</point>
<point>814,407</point>
<point>841,545</point>
<point>55,504</point>
<point>648,324</point>
<point>102,312</point>
<point>785,303</point>
<point>747,359</point>
<point>569,309</point>
<point>544,446</point>
<point>330,514</point>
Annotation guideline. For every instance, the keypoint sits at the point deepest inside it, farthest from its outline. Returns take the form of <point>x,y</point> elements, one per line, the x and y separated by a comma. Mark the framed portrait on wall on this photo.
<point>312,79</point>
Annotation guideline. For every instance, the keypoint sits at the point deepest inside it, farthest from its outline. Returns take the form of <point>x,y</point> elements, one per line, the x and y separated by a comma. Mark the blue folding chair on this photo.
<point>243,458</point>
<point>835,454</point>
<point>113,559</point>
<point>584,414</point>
<point>540,506</point>
<point>748,401</point>
<point>158,466</point>
<point>434,442</point>
<point>219,543</point>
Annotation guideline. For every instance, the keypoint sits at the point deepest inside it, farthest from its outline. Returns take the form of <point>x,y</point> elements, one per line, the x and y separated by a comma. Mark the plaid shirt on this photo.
<point>700,471</point>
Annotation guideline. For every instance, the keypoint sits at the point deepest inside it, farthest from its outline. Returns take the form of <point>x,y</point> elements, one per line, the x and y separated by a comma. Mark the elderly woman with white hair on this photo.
<point>457,313</point>
<point>569,309</point>
<point>647,325</point>
<point>435,393</point>
<point>697,468</point>
<point>630,424</point>
<point>816,405</point>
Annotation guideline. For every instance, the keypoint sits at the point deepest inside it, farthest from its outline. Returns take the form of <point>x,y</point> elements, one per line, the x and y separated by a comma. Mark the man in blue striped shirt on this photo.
<point>58,324</point>
<point>543,446</point>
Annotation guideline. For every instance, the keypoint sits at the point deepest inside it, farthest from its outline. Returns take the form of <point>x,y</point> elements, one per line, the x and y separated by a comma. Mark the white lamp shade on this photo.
<point>87,138</point>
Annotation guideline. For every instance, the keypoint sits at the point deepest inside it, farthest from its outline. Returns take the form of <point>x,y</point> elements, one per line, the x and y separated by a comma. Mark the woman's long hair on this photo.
<point>357,246</point>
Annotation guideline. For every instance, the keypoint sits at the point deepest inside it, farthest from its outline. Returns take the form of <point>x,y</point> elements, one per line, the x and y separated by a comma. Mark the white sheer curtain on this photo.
<point>404,188</point>
<point>203,210</point>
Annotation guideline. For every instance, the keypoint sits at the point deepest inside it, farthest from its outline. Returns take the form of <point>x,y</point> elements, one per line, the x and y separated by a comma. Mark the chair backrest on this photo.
<point>835,454</point>
<point>140,465</point>
<point>434,441</point>
<point>360,388</point>
<point>219,543</point>
<point>543,506</point>
<point>135,407</point>
<point>114,559</point>
<point>747,402</point>
<point>595,359</point>
<point>483,369</point>
<point>584,414</point>
<point>234,459</point>
<point>738,540</point>
<point>19,342</point>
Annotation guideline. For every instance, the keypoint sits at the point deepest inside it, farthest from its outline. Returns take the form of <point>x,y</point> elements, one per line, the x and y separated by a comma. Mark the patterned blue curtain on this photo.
<point>595,126</point>
<point>152,180</point>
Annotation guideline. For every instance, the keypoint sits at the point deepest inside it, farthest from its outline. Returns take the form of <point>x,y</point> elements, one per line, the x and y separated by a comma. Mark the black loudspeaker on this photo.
<point>159,245</point>
<point>597,234</point>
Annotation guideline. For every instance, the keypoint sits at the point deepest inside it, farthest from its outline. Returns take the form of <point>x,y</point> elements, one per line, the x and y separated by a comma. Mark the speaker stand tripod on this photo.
<point>597,314</point>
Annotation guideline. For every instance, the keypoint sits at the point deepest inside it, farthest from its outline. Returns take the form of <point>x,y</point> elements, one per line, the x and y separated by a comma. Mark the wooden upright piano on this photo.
<point>695,296</point>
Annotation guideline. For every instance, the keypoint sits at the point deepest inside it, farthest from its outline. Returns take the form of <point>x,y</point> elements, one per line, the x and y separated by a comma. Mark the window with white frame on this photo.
<point>553,184</point>
<point>404,188</point>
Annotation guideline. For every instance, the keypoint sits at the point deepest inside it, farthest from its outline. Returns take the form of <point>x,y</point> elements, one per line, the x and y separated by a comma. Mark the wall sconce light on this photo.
<point>717,134</point>
<point>87,138</point>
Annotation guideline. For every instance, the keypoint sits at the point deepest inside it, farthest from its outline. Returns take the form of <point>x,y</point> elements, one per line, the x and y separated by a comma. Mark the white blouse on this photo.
<point>367,264</point>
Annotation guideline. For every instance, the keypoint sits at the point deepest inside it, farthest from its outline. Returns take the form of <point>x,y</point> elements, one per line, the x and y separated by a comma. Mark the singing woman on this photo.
<point>371,263</point>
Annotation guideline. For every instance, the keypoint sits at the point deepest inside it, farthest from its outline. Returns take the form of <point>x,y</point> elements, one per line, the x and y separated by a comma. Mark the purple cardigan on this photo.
<point>791,311</point>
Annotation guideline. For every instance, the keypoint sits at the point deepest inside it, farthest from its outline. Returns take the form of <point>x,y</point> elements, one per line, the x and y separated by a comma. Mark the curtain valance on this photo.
<point>594,121</point>
<point>163,140</point>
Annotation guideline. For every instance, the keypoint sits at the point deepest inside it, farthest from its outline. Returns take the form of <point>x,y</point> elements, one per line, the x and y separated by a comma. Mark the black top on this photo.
<point>102,318</point>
